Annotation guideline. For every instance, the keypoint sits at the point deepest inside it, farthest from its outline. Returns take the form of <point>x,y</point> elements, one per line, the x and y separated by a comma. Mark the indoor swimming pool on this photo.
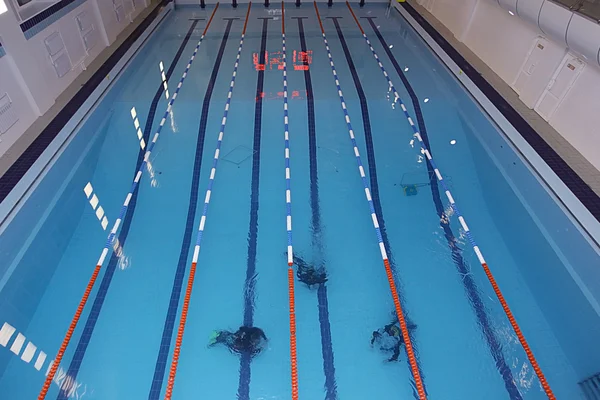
<point>364,115</point>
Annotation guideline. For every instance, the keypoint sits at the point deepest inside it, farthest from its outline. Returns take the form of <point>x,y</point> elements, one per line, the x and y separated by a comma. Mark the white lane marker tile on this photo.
<point>17,344</point>
<point>39,363</point>
<point>29,352</point>
<point>6,333</point>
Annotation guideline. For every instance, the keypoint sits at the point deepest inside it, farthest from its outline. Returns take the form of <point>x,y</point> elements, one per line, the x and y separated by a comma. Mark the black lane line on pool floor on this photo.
<point>317,244</point>
<point>470,286</point>
<point>250,283</point>
<point>167,336</point>
<point>92,318</point>
<point>375,187</point>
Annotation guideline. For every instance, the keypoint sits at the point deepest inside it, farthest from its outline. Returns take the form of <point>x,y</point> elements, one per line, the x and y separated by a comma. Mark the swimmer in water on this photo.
<point>308,274</point>
<point>246,340</point>
<point>389,339</point>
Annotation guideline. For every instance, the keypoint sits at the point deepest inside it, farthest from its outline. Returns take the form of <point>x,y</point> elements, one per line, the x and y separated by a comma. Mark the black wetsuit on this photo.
<point>247,339</point>
<point>389,338</point>
<point>308,274</point>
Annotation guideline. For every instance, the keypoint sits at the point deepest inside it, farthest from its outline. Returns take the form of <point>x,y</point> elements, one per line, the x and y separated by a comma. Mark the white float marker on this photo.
<point>288,188</point>
<point>201,228</point>
<point>384,256</point>
<point>288,204</point>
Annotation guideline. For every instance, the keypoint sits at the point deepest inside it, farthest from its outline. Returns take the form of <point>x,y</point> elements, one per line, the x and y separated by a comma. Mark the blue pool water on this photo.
<point>122,347</point>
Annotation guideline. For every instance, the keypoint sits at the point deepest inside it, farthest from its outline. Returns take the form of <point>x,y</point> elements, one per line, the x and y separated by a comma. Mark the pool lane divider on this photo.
<point>461,219</point>
<point>317,245</point>
<point>112,235</point>
<point>213,171</point>
<point>119,242</point>
<point>471,288</point>
<point>288,206</point>
<point>372,165</point>
<point>171,315</point>
<point>400,314</point>
<point>250,281</point>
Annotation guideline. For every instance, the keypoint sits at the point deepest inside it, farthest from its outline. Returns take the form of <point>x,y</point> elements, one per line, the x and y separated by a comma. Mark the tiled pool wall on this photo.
<point>543,265</point>
<point>33,243</point>
<point>50,215</point>
<point>61,186</point>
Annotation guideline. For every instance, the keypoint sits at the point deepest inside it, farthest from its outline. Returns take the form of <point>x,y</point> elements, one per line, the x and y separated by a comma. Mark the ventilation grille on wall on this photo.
<point>87,30</point>
<point>58,54</point>
<point>8,116</point>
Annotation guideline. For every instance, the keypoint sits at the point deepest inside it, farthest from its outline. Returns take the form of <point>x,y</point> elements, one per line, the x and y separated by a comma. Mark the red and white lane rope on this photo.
<point>388,269</point>
<point>462,221</point>
<point>288,204</point>
<point>113,232</point>
<point>213,171</point>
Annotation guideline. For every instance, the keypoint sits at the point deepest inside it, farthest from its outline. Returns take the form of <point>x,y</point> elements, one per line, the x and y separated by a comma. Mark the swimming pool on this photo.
<point>463,343</point>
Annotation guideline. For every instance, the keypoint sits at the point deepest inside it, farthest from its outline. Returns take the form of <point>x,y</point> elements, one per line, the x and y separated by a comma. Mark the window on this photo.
<point>589,8</point>
<point>571,4</point>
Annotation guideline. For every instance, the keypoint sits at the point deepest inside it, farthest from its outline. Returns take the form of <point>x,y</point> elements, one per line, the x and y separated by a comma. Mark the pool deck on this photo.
<point>41,123</point>
<point>575,160</point>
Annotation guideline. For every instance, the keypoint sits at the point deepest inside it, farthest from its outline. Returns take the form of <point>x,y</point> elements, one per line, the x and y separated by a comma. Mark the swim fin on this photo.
<point>213,338</point>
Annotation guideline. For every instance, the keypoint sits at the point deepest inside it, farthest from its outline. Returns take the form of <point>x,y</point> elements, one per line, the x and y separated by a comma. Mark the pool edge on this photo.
<point>571,202</point>
<point>40,165</point>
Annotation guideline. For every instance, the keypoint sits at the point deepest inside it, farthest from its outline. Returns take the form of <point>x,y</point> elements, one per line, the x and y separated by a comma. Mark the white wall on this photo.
<point>503,42</point>
<point>26,72</point>
<point>455,14</point>
<point>107,15</point>
<point>9,83</point>
<point>67,26</point>
<point>552,55</point>
<point>578,117</point>
<point>17,47</point>
<point>499,39</point>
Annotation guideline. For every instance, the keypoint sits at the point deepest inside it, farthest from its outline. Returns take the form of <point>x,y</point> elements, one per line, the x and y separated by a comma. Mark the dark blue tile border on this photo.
<point>582,190</point>
<point>14,174</point>
<point>322,298</point>
<point>250,283</point>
